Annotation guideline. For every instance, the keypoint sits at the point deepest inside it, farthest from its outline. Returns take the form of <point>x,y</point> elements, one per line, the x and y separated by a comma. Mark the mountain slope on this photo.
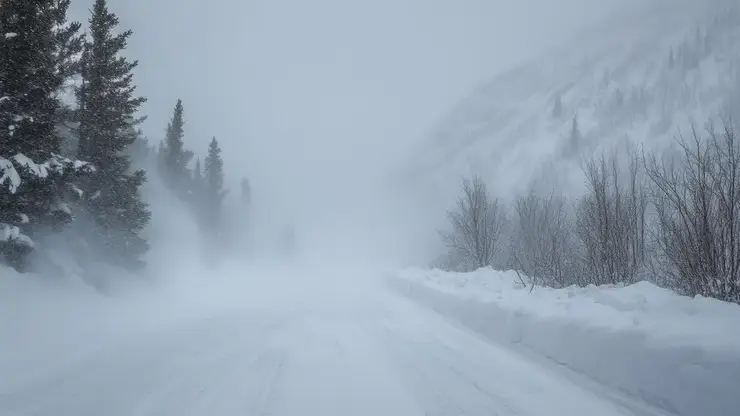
<point>637,78</point>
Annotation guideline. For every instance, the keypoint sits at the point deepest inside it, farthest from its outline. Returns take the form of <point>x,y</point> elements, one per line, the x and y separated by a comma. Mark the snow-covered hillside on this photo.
<point>636,78</point>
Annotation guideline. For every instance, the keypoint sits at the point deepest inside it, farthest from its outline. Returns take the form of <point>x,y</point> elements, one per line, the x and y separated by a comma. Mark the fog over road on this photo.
<point>296,346</point>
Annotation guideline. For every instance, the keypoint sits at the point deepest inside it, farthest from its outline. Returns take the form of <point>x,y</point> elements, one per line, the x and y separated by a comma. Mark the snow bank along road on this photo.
<point>335,347</point>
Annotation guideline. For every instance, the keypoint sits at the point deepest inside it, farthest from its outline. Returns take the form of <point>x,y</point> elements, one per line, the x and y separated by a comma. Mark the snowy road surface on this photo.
<point>341,350</point>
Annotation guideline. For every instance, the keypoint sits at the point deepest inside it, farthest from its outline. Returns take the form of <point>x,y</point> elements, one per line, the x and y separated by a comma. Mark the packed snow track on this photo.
<point>329,349</point>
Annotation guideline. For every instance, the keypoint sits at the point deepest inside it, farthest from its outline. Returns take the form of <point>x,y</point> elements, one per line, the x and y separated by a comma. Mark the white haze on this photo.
<point>315,102</point>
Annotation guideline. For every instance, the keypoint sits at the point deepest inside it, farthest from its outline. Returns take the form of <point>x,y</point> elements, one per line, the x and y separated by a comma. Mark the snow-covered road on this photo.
<point>342,350</point>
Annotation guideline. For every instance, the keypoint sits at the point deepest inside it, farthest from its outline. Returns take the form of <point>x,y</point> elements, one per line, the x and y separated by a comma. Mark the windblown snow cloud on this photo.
<point>315,100</point>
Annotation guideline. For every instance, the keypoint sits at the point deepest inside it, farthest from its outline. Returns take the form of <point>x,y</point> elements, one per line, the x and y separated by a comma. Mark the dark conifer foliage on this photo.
<point>77,168</point>
<point>107,114</point>
<point>246,192</point>
<point>213,184</point>
<point>36,57</point>
<point>197,177</point>
<point>176,157</point>
<point>38,51</point>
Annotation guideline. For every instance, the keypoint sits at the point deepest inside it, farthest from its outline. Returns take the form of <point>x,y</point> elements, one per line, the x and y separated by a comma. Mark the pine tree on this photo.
<point>246,192</point>
<point>213,184</point>
<point>37,48</point>
<point>618,98</point>
<point>575,132</point>
<point>139,152</point>
<point>197,173</point>
<point>575,139</point>
<point>557,109</point>
<point>699,42</point>
<point>196,186</point>
<point>707,43</point>
<point>176,157</point>
<point>107,110</point>
<point>70,43</point>
<point>161,153</point>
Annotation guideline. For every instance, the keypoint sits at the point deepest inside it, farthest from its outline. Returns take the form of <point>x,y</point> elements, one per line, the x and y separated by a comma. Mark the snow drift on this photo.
<point>677,353</point>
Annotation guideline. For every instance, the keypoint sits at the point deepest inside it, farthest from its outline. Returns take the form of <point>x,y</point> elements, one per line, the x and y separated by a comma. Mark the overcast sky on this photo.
<point>300,90</point>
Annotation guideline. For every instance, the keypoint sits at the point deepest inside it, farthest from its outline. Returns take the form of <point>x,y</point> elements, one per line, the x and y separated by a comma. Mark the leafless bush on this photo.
<point>674,221</point>
<point>697,202</point>
<point>541,245</point>
<point>476,226</point>
<point>611,221</point>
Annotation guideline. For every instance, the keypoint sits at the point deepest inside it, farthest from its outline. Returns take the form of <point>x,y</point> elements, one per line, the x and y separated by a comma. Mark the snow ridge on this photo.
<point>677,353</point>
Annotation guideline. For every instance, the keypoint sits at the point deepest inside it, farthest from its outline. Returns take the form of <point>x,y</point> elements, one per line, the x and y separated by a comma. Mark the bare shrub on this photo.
<point>674,221</point>
<point>476,227</point>
<point>541,244</point>
<point>697,201</point>
<point>610,221</point>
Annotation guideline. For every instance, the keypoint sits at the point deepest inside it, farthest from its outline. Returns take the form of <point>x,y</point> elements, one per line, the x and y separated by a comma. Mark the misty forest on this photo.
<point>74,160</point>
<point>359,208</point>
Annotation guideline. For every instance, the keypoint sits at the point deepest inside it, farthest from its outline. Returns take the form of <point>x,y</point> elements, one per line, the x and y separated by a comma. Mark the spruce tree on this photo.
<point>107,115</point>
<point>139,152</point>
<point>70,43</point>
<point>557,108</point>
<point>36,57</point>
<point>246,192</point>
<point>197,173</point>
<point>176,157</point>
<point>160,161</point>
<point>213,184</point>
<point>575,140</point>
<point>575,134</point>
<point>37,48</point>
<point>195,190</point>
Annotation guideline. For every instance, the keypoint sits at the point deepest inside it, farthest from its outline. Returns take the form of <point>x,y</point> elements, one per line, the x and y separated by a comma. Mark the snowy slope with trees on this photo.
<point>636,78</point>
<point>616,237</point>
<point>605,177</point>
<point>612,161</point>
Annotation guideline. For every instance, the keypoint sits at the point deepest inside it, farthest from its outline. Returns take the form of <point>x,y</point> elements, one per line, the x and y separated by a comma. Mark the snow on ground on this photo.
<point>643,307</point>
<point>285,340</point>
<point>677,353</point>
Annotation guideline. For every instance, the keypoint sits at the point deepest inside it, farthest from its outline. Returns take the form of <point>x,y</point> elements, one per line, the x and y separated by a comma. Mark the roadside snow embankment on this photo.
<point>678,353</point>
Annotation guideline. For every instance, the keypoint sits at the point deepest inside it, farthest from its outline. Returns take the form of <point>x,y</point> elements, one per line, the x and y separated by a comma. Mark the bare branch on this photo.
<point>698,212</point>
<point>476,225</point>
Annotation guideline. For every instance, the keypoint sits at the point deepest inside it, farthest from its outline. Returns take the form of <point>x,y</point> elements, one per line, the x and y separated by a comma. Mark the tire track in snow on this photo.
<point>171,372</point>
<point>441,388</point>
<point>266,394</point>
<point>454,371</point>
